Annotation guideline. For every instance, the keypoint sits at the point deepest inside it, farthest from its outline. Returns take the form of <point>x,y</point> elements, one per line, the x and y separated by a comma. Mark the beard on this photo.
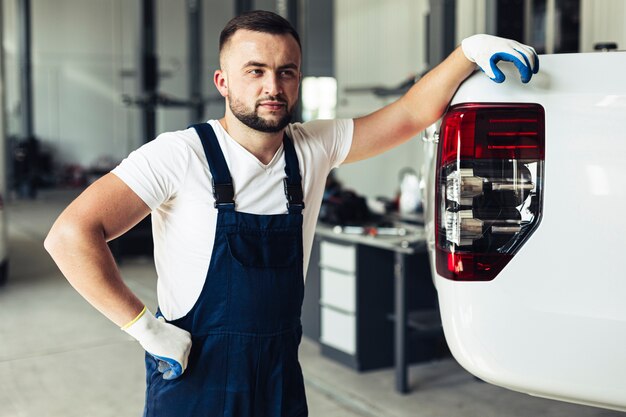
<point>252,119</point>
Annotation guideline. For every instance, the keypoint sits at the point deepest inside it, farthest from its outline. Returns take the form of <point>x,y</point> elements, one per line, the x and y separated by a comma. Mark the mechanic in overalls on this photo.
<point>234,204</point>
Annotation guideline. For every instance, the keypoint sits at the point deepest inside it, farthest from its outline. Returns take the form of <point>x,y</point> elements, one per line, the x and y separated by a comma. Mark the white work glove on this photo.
<point>486,51</point>
<point>167,343</point>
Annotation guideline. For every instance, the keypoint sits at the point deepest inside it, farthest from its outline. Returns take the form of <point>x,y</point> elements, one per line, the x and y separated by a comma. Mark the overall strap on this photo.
<point>293,182</point>
<point>223,190</point>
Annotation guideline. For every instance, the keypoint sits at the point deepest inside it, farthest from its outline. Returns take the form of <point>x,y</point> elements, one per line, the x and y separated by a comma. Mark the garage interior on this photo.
<point>85,82</point>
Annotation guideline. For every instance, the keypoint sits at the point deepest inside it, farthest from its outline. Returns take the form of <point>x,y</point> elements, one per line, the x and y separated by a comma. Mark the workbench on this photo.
<point>368,293</point>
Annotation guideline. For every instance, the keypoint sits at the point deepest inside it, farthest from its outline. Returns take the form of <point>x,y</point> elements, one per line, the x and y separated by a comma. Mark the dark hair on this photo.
<point>258,21</point>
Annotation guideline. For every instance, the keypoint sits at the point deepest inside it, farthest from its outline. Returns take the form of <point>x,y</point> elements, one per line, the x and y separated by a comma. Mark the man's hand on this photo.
<point>167,343</point>
<point>486,51</point>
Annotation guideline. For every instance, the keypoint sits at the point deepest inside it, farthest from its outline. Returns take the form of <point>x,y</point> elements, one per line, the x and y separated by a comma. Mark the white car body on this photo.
<point>553,322</point>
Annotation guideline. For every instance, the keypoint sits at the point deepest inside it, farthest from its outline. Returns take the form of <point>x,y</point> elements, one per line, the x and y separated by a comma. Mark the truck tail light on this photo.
<point>489,187</point>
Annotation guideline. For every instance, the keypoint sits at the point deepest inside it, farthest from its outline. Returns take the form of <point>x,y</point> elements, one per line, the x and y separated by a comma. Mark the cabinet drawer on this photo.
<point>336,256</point>
<point>338,290</point>
<point>338,330</point>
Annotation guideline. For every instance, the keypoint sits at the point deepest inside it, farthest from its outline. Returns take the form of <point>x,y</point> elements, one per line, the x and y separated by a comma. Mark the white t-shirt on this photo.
<point>171,175</point>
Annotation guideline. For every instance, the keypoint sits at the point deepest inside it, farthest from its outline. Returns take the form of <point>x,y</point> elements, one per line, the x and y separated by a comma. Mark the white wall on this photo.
<point>602,21</point>
<point>377,43</point>
<point>80,48</point>
<point>471,18</point>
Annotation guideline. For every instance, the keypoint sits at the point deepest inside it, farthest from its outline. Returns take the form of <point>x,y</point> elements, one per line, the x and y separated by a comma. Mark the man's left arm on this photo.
<point>426,101</point>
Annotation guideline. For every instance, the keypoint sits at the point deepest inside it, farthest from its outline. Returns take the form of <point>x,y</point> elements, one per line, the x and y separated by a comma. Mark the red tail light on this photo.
<point>489,187</point>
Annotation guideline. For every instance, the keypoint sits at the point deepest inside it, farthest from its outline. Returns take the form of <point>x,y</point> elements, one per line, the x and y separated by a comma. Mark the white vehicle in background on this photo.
<point>526,230</point>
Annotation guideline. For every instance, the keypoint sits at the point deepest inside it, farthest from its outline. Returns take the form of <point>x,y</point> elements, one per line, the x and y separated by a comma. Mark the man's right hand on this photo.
<point>168,344</point>
<point>486,51</point>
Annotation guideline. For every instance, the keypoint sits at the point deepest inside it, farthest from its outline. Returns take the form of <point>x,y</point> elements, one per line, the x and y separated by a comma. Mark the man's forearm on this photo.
<point>86,261</point>
<point>419,108</point>
<point>426,101</point>
<point>77,243</point>
<point>434,91</point>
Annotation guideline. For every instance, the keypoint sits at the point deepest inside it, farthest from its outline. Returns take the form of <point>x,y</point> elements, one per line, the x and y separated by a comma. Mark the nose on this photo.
<point>272,84</point>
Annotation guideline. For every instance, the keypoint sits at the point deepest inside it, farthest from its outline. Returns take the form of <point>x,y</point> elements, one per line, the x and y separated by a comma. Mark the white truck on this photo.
<point>525,228</point>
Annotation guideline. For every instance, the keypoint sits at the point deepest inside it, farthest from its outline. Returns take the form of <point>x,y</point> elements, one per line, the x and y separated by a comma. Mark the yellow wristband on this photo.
<point>133,321</point>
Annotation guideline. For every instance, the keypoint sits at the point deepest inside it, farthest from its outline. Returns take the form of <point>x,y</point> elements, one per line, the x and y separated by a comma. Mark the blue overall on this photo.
<point>245,325</point>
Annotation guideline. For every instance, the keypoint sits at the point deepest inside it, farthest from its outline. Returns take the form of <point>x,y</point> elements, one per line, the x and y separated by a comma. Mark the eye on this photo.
<point>255,71</point>
<point>288,74</point>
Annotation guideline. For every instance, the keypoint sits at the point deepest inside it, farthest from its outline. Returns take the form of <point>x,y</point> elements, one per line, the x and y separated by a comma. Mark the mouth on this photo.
<point>273,105</point>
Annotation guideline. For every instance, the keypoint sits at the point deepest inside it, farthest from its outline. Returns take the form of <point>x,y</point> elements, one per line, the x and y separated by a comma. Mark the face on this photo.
<point>259,78</point>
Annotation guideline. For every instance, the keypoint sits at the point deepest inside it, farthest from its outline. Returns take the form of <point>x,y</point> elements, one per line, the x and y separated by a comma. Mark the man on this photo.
<point>234,204</point>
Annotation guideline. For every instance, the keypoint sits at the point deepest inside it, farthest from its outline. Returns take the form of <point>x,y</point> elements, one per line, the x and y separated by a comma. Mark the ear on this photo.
<point>221,82</point>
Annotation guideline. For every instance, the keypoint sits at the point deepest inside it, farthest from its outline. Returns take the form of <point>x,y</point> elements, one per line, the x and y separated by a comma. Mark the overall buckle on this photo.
<point>224,194</point>
<point>295,197</point>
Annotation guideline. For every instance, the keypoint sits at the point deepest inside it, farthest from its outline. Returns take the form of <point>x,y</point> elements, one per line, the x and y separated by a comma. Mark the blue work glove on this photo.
<point>168,344</point>
<point>486,51</point>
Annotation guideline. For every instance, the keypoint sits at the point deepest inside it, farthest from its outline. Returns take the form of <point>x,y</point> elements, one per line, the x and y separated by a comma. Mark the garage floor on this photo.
<point>61,358</point>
